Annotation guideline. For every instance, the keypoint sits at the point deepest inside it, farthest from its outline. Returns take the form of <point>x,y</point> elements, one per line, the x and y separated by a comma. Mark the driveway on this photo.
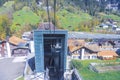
<point>9,69</point>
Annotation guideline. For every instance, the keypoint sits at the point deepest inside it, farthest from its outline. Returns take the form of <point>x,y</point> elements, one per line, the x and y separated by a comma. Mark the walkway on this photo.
<point>10,68</point>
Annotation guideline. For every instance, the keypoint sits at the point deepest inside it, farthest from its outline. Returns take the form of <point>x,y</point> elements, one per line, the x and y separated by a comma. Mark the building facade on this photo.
<point>50,52</point>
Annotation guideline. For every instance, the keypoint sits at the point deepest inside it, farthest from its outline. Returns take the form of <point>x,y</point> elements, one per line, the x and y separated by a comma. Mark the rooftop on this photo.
<point>16,41</point>
<point>107,53</point>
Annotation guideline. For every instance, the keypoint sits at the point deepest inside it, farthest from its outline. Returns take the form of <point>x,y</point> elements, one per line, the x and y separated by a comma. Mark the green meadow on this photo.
<point>82,67</point>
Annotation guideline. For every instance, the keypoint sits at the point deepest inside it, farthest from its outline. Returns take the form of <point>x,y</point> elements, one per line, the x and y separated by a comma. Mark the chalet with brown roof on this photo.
<point>84,53</point>
<point>79,51</point>
<point>107,55</point>
<point>18,46</point>
<point>74,44</point>
<point>15,40</point>
<point>93,47</point>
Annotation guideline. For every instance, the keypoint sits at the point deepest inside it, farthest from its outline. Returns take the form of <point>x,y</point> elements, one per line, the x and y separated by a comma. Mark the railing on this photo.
<point>72,74</point>
<point>76,75</point>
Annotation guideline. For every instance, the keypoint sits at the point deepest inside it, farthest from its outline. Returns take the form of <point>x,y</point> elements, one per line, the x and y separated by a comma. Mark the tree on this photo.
<point>24,28</point>
<point>4,26</point>
<point>90,6</point>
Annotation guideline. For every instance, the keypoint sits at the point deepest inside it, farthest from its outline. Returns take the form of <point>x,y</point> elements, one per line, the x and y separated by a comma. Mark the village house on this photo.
<point>106,44</point>
<point>73,44</point>
<point>26,36</point>
<point>18,47</point>
<point>112,6</point>
<point>84,53</point>
<point>104,26</point>
<point>79,51</point>
<point>107,55</point>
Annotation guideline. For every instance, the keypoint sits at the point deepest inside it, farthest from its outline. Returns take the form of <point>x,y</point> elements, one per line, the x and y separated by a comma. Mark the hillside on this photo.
<point>70,21</point>
<point>25,15</point>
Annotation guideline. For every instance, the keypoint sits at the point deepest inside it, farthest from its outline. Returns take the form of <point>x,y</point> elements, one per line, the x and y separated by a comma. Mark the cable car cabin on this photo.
<point>51,52</point>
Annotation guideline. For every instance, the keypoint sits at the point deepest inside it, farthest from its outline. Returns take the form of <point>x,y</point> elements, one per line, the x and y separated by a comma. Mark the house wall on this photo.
<point>11,48</point>
<point>84,54</point>
<point>107,57</point>
<point>3,50</point>
<point>20,52</point>
<point>32,46</point>
<point>89,54</point>
<point>8,49</point>
<point>90,57</point>
<point>75,56</point>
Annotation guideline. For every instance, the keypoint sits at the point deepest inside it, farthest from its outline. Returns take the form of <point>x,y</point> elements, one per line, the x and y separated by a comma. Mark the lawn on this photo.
<point>87,74</point>
<point>25,16</point>
<point>72,19</point>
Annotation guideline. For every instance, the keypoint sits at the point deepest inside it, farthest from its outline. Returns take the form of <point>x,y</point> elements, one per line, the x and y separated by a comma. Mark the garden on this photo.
<point>104,67</point>
<point>87,74</point>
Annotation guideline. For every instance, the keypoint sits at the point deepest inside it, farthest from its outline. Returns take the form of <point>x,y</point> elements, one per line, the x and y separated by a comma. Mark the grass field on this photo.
<point>87,74</point>
<point>21,17</point>
<point>24,17</point>
<point>72,19</point>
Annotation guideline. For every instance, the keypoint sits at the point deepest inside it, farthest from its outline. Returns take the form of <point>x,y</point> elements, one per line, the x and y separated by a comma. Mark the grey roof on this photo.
<point>85,35</point>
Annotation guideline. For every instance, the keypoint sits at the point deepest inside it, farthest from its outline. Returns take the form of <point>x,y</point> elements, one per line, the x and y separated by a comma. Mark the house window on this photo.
<point>94,57</point>
<point>86,57</point>
<point>118,41</point>
<point>75,57</point>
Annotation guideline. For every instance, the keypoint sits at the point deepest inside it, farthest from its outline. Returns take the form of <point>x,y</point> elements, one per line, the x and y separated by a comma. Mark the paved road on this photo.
<point>10,70</point>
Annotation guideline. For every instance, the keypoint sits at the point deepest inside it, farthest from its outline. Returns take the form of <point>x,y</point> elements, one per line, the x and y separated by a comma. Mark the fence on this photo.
<point>76,75</point>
